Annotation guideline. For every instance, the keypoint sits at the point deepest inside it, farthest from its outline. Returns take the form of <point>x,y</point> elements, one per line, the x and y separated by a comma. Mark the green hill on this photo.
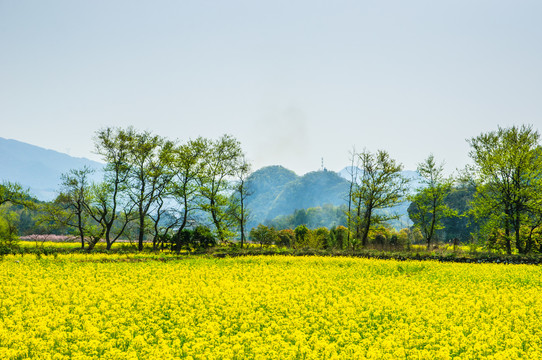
<point>279,191</point>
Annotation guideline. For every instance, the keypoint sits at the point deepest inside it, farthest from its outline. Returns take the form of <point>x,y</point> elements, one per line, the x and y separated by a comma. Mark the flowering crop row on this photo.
<point>82,307</point>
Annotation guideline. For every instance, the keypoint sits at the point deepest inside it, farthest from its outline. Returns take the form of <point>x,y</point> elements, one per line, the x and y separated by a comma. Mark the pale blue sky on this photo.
<point>294,81</point>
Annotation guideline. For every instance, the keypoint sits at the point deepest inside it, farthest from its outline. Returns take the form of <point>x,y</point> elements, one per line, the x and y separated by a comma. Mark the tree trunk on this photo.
<point>519,244</point>
<point>108,236</point>
<point>507,238</point>
<point>367,222</point>
<point>81,229</point>
<point>141,231</point>
<point>358,224</point>
<point>242,231</point>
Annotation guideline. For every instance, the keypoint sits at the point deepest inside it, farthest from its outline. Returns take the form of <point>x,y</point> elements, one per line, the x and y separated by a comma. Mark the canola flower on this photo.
<point>81,306</point>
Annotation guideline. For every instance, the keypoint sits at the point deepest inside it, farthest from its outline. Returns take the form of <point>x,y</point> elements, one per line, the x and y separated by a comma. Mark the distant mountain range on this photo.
<point>37,168</point>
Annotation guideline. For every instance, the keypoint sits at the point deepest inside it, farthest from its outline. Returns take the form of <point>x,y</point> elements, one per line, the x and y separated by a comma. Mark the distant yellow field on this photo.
<point>87,307</point>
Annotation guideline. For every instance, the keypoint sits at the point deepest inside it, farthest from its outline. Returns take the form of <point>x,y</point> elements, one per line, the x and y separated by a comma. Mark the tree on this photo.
<point>13,193</point>
<point>263,235</point>
<point>286,237</point>
<point>200,237</point>
<point>320,238</point>
<point>534,215</point>
<point>302,236</point>
<point>429,207</point>
<point>70,206</point>
<point>147,175</point>
<point>353,171</point>
<point>222,159</point>
<point>8,227</point>
<point>507,169</point>
<point>108,200</point>
<point>112,215</point>
<point>163,214</point>
<point>379,186</point>
<point>239,199</point>
<point>339,236</point>
<point>187,163</point>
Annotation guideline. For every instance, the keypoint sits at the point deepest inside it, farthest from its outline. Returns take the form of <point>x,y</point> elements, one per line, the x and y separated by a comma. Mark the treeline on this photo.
<point>495,202</point>
<point>503,188</point>
<point>327,216</point>
<point>194,194</point>
<point>154,187</point>
<point>336,238</point>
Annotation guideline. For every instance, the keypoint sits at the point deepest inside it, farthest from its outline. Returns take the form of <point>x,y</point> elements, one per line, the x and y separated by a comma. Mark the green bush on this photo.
<point>199,238</point>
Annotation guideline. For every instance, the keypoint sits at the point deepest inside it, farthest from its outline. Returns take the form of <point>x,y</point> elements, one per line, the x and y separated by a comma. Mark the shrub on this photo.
<point>199,238</point>
<point>263,235</point>
<point>285,237</point>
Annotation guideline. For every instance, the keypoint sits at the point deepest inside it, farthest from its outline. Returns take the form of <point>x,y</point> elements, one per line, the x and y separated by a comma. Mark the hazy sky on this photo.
<point>294,81</point>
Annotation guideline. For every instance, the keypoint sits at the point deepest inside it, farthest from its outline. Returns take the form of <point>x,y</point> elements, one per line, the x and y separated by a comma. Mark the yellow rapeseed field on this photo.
<point>90,307</point>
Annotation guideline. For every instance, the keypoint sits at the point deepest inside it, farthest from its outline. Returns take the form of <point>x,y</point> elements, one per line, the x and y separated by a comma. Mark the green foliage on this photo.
<point>379,185</point>
<point>339,238</point>
<point>222,160</point>
<point>264,235</point>
<point>320,238</point>
<point>508,175</point>
<point>15,205</point>
<point>109,199</point>
<point>325,216</point>
<point>429,206</point>
<point>70,207</point>
<point>147,175</point>
<point>302,237</point>
<point>199,238</point>
<point>463,225</point>
<point>187,162</point>
<point>286,237</point>
<point>8,227</point>
<point>15,194</point>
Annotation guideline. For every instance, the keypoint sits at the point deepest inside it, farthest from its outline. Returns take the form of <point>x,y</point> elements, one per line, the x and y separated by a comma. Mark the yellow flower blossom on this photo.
<point>98,306</point>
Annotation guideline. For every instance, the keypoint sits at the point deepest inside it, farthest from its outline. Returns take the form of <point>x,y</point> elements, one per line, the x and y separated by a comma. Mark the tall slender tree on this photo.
<point>109,199</point>
<point>429,207</point>
<point>74,199</point>
<point>188,162</point>
<point>241,192</point>
<point>380,186</point>
<point>353,171</point>
<point>148,175</point>
<point>222,159</point>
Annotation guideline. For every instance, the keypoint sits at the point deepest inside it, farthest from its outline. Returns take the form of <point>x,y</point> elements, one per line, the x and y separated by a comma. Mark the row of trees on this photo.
<point>156,185</point>
<point>327,215</point>
<point>506,176</point>
<point>336,237</point>
<point>159,188</point>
